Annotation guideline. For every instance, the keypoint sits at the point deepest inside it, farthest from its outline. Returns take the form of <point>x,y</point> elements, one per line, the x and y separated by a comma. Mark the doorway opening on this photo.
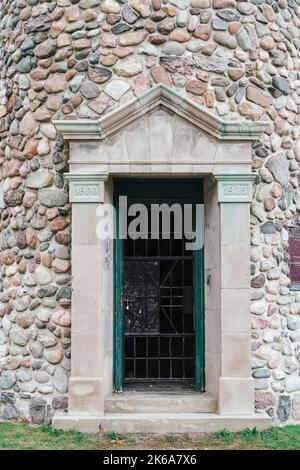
<point>159,311</point>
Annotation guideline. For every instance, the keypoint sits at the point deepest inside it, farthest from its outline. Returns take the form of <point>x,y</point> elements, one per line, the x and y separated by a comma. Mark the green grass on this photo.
<point>23,436</point>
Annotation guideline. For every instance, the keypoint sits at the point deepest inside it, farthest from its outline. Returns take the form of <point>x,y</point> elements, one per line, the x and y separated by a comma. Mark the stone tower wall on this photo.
<point>81,59</point>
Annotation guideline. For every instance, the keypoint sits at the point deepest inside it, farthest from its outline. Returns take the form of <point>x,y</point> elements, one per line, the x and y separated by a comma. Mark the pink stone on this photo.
<point>180,35</point>
<point>55,83</point>
<point>108,40</point>
<point>219,4</point>
<point>61,265</point>
<point>267,43</point>
<point>196,87</point>
<point>203,31</point>
<point>159,75</point>
<point>61,317</point>
<point>72,13</point>
<point>264,399</point>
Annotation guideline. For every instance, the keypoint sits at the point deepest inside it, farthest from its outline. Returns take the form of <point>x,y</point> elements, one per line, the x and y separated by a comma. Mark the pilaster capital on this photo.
<point>235,187</point>
<point>86,187</point>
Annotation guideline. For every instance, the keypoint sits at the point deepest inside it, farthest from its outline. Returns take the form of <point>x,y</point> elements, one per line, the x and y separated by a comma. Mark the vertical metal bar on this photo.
<point>119,359</point>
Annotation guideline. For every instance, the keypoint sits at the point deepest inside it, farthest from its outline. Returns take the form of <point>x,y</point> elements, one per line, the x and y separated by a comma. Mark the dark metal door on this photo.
<point>158,311</point>
<point>158,301</point>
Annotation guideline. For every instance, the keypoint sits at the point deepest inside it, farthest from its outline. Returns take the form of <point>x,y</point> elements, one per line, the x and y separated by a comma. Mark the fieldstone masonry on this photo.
<point>70,59</point>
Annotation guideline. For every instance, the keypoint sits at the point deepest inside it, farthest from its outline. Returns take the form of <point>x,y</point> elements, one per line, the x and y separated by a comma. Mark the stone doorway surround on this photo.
<point>162,133</point>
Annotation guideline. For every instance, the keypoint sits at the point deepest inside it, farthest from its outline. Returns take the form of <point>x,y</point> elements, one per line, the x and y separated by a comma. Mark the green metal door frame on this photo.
<point>155,190</point>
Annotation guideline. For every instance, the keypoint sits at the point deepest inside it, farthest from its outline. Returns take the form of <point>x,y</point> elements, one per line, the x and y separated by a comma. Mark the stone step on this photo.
<point>161,423</point>
<point>134,402</point>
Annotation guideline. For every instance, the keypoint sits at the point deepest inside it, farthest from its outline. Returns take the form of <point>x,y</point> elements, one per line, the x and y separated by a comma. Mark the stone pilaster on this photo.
<point>236,391</point>
<point>86,392</point>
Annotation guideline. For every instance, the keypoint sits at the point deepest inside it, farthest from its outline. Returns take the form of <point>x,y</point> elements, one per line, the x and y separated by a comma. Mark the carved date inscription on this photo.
<point>235,189</point>
<point>86,190</point>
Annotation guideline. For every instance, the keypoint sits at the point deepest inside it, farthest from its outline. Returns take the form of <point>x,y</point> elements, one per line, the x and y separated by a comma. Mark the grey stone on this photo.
<point>243,39</point>
<point>279,167</point>
<point>281,84</point>
<point>293,322</point>
<point>14,197</point>
<point>120,28</point>
<point>24,375</point>
<point>52,198</point>
<point>28,43</point>
<point>40,179</point>
<point>7,397</point>
<point>64,293</point>
<point>129,14</point>
<point>72,27</point>
<point>60,380</point>
<point>268,227</point>
<point>246,8</point>
<point>292,383</point>
<point>261,374</point>
<point>228,15</point>
<point>173,48</point>
<point>284,407</point>
<point>219,24</point>
<point>261,29</point>
<point>37,410</point>
<point>217,65</point>
<point>19,336</point>
<point>148,49</point>
<point>225,39</point>
<point>24,66</point>
<point>10,412</point>
<point>76,82</point>
<point>116,88</point>
<point>7,379</point>
<point>89,89</point>
<point>181,18</point>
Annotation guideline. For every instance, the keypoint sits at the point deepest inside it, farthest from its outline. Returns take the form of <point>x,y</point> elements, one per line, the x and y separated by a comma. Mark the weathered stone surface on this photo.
<point>40,179</point>
<point>46,49</point>
<point>37,410</point>
<point>27,125</point>
<point>278,166</point>
<point>116,88</point>
<point>55,83</point>
<point>258,96</point>
<point>129,67</point>
<point>99,74</point>
<point>52,197</point>
<point>284,407</point>
<point>264,400</point>
<point>131,39</point>
<point>60,380</point>
<point>90,89</point>
<point>10,412</point>
<point>7,380</point>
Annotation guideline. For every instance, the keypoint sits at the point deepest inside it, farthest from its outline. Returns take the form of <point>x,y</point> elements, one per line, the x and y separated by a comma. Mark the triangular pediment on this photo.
<point>160,96</point>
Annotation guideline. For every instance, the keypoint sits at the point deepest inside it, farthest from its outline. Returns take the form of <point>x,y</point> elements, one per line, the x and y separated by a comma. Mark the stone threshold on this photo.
<point>141,402</point>
<point>159,423</point>
<point>162,423</point>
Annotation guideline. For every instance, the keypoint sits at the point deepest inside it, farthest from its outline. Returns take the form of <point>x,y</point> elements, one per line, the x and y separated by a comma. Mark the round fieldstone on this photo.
<point>60,380</point>
<point>37,410</point>
<point>52,197</point>
<point>7,380</point>
<point>281,84</point>
<point>173,48</point>
<point>19,336</point>
<point>10,412</point>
